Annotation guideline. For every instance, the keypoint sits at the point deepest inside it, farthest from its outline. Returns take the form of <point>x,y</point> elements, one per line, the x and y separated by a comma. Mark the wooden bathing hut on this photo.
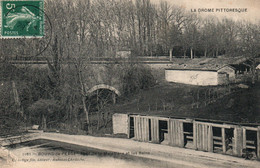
<point>202,135</point>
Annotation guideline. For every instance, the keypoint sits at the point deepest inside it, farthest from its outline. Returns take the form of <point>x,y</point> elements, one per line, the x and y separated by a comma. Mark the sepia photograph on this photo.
<point>129,83</point>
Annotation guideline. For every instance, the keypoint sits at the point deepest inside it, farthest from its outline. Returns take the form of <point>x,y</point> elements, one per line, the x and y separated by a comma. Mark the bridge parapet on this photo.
<point>104,86</point>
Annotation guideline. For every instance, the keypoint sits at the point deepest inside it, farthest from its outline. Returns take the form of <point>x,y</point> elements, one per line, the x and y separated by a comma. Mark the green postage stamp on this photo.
<point>21,18</point>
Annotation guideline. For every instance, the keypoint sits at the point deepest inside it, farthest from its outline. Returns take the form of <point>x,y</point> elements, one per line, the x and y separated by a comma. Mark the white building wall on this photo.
<point>120,123</point>
<point>193,77</point>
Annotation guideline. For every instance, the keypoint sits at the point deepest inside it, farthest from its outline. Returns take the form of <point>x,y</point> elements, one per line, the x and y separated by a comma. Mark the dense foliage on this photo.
<point>135,78</point>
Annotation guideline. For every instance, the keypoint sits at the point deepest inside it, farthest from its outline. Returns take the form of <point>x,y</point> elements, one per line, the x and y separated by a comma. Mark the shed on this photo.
<point>223,78</point>
<point>208,71</point>
<point>230,70</point>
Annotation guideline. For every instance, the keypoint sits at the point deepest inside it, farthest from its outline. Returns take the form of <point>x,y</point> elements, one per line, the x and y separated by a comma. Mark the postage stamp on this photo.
<point>22,18</point>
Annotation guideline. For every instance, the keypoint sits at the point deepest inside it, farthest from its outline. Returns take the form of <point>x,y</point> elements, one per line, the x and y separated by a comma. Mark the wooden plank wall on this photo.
<point>144,129</point>
<point>136,127</point>
<point>176,135</point>
<point>202,134</point>
<point>155,130</point>
<point>141,127</point>
<point>203,137</point>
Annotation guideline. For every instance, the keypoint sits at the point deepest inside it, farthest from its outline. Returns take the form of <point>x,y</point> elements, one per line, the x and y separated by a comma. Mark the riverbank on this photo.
<point>166,154</point>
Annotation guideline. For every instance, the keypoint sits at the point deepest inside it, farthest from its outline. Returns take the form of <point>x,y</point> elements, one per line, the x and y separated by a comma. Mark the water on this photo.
<point>48,154</point>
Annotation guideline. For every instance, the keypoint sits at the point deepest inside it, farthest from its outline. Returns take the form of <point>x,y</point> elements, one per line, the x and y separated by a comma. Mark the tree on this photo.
<point>44,108</point>
<point>208,35</point>
<point>250,44</point>
<point>230,30</point>
<point>191,27</point>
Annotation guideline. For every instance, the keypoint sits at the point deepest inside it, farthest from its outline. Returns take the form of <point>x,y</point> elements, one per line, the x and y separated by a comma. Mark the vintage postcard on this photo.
<point>129,83</point>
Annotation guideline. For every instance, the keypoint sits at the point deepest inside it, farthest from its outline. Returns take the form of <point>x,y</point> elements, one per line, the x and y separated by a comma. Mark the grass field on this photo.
<point>175,100</point>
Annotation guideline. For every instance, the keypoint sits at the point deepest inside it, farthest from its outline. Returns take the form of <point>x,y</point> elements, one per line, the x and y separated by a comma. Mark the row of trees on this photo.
<point>150,29</point>
<point>102,27</point>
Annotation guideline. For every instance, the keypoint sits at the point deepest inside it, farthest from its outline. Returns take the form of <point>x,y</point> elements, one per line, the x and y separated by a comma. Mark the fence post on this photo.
<point>244,138</point>
<point>238,141</point>
<point>223,140</point>
<point>128,127</point>
<point>194,135</point>
<point>258,143</point>
<point>210,139</point>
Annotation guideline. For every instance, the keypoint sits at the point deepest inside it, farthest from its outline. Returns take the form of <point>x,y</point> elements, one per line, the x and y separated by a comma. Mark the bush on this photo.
<point>136,77</point>
<point>44,109</point>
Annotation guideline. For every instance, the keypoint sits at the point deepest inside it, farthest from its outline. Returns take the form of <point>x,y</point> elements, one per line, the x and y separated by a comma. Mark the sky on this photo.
<point>252,8</point>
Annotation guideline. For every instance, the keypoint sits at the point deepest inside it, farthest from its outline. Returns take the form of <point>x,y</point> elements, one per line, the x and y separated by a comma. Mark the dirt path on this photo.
<point>174,155</point>
<point>169,156</point>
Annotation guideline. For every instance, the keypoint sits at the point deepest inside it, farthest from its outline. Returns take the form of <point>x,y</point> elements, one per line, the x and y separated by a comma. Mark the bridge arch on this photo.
<point>103,86</point>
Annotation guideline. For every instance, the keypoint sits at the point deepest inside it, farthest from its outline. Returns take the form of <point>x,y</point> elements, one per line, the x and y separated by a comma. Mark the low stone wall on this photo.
<point>19,139</point>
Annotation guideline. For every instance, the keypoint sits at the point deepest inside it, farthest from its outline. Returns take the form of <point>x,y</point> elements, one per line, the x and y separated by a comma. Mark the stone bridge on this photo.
<point>105,74</point>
